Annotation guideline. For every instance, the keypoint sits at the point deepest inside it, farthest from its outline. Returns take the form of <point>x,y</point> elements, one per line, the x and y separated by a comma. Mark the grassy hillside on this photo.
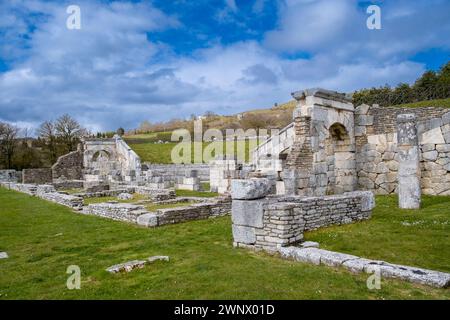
<point>430,103</point>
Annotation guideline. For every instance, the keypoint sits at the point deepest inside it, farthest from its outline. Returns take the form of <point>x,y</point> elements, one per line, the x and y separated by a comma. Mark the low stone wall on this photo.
<point>37,176</point>
<point>117,211</point>
<point>10,175</point>
<point>273,222</point>
<point>106,193</point>
<point>176,172</point>
<point>68,184</point>
<point>156,194</point>
<point>20,187</point>
<point>197,211</point>
<point>70,201</point>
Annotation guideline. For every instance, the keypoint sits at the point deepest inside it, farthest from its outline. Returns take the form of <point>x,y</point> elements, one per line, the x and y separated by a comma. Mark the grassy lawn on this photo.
<point>161,153</point>
<point>415,238</point>
<point>43,239</point>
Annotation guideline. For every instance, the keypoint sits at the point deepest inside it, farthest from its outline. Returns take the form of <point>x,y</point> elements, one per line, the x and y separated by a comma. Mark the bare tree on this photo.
<point>47,132</point>
<point>8,142</point>
<point>69,131</point>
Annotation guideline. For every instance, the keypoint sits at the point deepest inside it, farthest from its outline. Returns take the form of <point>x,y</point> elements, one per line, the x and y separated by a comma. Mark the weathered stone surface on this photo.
<point>148,220</point>
<point>127,266</point>
<point>158,258</point>
<point>309,244</point>
<point>250,189</point>
<point>245,235</point>
<point>409,190</point>
<point>3,255</point>
<point>248,213</point>
<point>358,265</point>
<point>125,196</point>
<point>432,136</point>
<point>430,155</point>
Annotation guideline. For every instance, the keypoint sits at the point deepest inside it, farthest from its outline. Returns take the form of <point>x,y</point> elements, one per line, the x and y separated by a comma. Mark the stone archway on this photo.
<point>341,160</point>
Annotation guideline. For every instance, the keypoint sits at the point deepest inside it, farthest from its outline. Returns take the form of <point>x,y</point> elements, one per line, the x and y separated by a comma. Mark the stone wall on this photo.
<point>197,211</point>
<point>69,166</point>
<point>117,211</point>
<point>70,201</point>
<point>174,173</point>
<point>377,150</point>
<point>156,194</point>
<point>10,175</point>
<point>37,176</point>
<point>273,222</point>
<point>20,187</point>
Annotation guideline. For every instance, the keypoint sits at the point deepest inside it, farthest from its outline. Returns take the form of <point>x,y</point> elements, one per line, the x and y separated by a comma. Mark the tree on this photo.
<point>120,131</point>
<point>8,142</point>
<point>69,131</point>
<point>47,133</point>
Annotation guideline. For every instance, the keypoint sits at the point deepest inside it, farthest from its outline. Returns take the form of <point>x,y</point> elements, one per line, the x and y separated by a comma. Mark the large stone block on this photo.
<point>245,235</point>
<point>248,213</point>
<point>433,136</point>
<point>250,189</point>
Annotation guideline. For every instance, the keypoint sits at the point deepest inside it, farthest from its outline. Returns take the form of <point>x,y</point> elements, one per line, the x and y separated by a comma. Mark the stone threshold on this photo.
<point>356,264</point>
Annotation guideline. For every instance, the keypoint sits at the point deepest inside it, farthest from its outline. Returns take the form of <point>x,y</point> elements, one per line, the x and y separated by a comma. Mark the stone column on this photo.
<point>409,191</point>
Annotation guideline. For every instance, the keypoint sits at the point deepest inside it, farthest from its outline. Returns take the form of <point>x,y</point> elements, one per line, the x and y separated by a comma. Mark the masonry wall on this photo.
<point>37,176</point>
<point>69,167</point>
<point>10,176</point>
<point>176,172</point>
<point>376,144</point>
<point>271,223</point>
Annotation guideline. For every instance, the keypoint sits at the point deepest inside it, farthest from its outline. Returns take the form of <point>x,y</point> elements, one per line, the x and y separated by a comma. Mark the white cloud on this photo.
<point>111,74</point>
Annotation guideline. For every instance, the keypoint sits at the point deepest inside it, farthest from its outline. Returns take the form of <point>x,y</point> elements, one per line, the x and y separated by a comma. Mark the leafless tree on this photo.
<point>8,142</point>
<point>47,133</point>
<point>69,131</point>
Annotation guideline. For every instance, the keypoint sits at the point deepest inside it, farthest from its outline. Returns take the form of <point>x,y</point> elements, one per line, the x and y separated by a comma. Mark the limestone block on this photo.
<point>364,120</point>
<point>127,266</point>
<point>308,255</point>
<point>148,220</point>
<point>3,255</point>
<point>388,155</point>
<point>433,136</point>
<point>158,258</point>
<point>366,183</point>
<point>360,131</point>
<point>446,118</point>
<point>392,165</point>
<point>245,235</point>
<point>334,259</point>
<point>250,189</point>
<point>430,155</point>
<point>248,213</point>
<point>443,147</point>
<point>428,147</point>
<point>309,244</point>
<point>362,109</point>
<point>382,168</point>
<point>125,196</point>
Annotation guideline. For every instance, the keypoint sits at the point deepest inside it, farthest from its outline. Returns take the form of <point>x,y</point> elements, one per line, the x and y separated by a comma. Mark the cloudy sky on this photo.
<point>155,60</point>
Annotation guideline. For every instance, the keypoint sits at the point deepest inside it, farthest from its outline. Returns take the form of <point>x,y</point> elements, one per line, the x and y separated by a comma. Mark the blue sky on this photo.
<point>156,60</point>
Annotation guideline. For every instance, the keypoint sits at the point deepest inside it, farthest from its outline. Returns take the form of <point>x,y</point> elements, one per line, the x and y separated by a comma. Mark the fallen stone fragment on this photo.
<point>355,264</point>
<point>125,196</point>
<point>158,258</point>
<point>127,266</point>
<point>250,189</point>
<point>309,244</point>
<point>3,255</point>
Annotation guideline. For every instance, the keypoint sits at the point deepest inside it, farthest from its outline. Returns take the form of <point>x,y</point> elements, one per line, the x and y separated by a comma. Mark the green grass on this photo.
<point>443,103</point>
<point>161,153</point>
<point>416,238</point>
<point>43,239</point>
